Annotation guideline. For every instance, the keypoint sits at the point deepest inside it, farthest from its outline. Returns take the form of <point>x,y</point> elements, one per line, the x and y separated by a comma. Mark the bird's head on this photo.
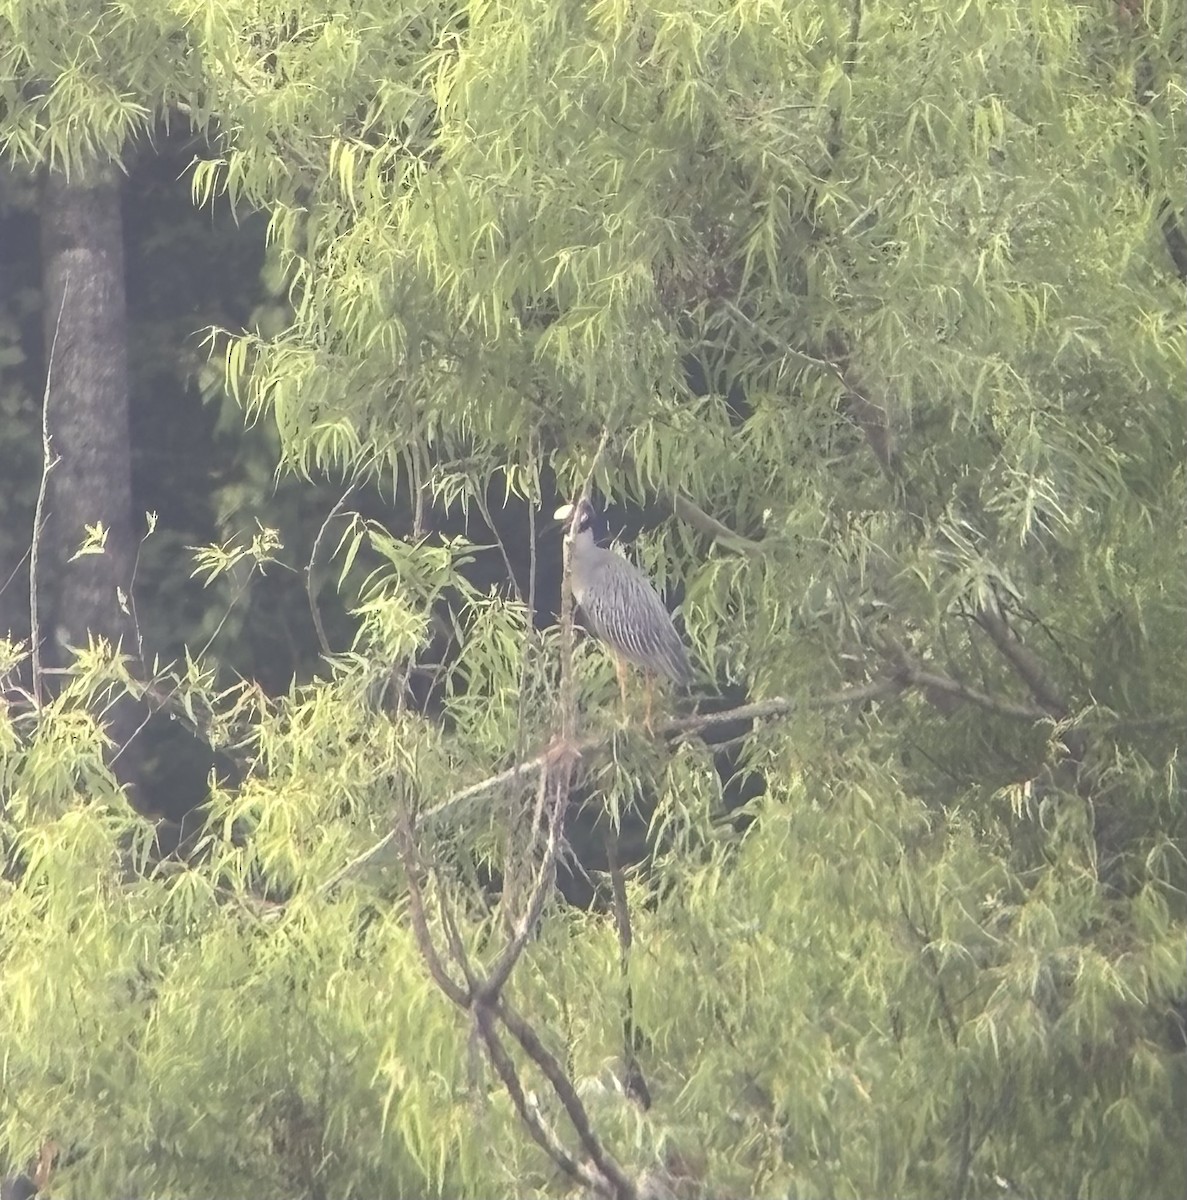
<point>583,523</point>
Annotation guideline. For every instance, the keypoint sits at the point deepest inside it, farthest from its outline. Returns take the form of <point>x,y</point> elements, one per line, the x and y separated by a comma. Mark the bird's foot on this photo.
<point>561,750</point>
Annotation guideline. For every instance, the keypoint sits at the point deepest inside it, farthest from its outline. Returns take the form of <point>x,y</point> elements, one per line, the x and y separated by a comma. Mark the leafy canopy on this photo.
<point>885,291</point>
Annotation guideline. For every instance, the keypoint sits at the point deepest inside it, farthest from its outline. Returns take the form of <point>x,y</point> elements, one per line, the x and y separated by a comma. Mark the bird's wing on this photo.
<point>627,613</point>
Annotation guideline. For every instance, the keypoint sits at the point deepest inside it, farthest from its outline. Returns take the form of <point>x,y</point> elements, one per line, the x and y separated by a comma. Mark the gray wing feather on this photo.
<point>626,612</point>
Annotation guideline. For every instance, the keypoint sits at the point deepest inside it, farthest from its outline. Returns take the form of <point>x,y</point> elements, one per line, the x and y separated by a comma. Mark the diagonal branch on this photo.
<point>420,926</point>
<point>913,674</point>
<point>562,1085</point>
<point>483,998</point>
<point>1026,665</point>
<point>681,727</point>
<point>694,515</point>
<point>541,889</point>
<point>484,509</point>
<point>544,1137</point>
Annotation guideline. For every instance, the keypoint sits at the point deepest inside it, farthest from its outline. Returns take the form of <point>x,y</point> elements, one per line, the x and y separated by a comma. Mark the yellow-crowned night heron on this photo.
<point>620,605</point>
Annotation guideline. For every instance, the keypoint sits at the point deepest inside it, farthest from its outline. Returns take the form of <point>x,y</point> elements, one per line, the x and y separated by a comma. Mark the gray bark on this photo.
<point>85,320</point>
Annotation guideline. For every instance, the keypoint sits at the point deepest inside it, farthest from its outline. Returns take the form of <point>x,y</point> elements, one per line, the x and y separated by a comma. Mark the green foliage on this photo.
<point>885,291</point>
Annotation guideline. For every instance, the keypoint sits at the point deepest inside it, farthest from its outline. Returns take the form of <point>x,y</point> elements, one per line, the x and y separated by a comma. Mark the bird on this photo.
<point>621,606</point>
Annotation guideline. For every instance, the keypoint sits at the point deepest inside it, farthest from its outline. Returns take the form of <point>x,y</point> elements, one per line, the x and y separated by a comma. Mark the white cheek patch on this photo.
<point>564,513</point>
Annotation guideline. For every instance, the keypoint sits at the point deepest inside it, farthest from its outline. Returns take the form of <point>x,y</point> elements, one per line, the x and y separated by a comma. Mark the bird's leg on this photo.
<point>621,668</point>
<point>648,692</point>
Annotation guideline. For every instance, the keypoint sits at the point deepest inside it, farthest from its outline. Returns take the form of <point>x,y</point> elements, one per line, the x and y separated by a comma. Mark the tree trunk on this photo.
<point>86,418</point>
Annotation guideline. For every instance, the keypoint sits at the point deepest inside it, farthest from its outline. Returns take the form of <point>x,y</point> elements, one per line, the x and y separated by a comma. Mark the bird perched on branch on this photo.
<point>621,606</point>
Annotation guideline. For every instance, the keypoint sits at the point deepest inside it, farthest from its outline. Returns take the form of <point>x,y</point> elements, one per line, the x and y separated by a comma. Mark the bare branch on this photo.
<point>529,633</point>
<point>566,1093</point>
<point>420,926</point>
<point>47,464</point>
<point>418,476</point>
<point>484,509</point>
<point>20,562</point>
<point>420,471</point>
<point>541,887</point>
<point>481,997</point>
<point>568,686</point>
<point>680,727</point>
<point>453,938</point>
<point>528,1113</point>
<point>1025,664</point>
<point>913,674</point>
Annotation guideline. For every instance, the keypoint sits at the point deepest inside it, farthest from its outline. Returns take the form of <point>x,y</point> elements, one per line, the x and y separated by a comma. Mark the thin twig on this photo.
<point>453,939</point>
<point>568,683</point>
<point>484,509</point>
<point>420,471</point>
<point>47,465</point>
<point>680,727</point>
<point>634,1082</point>
<point>139,636</point>
<point>529,634</point>
<point>20,562</point>
<point>483,998</point>
<point>541,889</point>
<point>314,611</point>
<point>418,482</point>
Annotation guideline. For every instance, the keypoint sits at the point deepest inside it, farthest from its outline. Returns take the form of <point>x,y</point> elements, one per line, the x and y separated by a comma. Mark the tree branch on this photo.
<point>525,1035</point>
<point>903,677</point>
<point>1026,665</point>
<point>568,692</point>
<point>541,888</point>
<point>483,998</point>
<point>680,727</point>
<point>696,516</point>
<point>47,464</point>
<point>544,1137</point>
<point>420,926</point>
<point>484,509</point>
<point>914,675</point>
